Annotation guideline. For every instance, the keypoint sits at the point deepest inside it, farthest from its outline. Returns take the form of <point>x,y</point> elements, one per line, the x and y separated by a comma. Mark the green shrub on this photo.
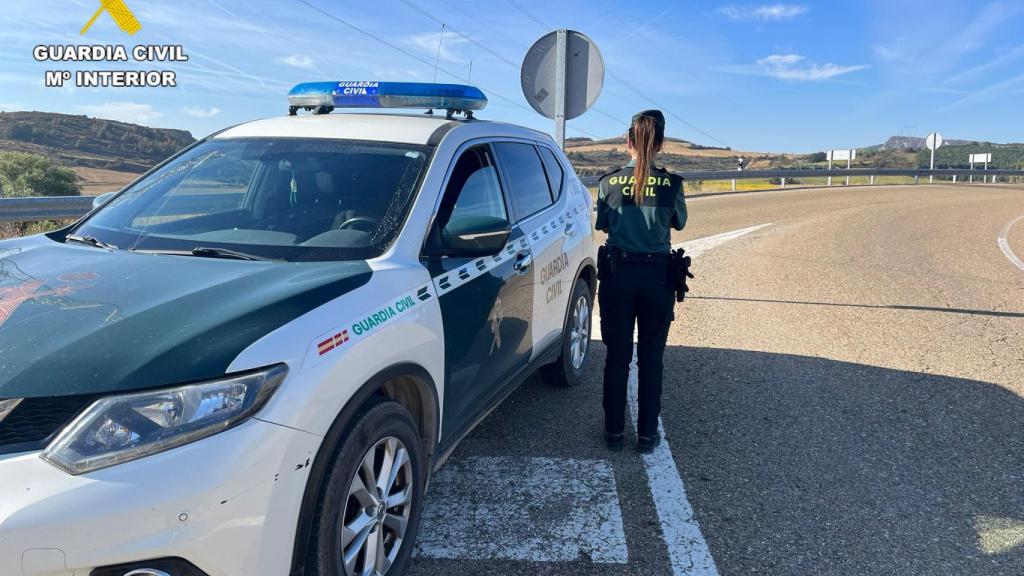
<point>23,174</point>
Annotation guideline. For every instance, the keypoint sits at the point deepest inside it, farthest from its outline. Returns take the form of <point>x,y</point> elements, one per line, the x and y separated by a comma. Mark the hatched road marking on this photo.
<point>530,509</point>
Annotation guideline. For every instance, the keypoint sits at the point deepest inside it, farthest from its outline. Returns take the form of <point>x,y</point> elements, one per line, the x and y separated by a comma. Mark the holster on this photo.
<point>679,272</point>
<point>605,263</point>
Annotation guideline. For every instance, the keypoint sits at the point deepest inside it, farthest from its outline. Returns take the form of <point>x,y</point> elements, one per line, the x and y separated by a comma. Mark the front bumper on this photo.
<point>229,504</point>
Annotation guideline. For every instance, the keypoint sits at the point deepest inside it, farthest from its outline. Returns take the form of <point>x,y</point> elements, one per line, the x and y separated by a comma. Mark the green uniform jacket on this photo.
<point>642,229</point>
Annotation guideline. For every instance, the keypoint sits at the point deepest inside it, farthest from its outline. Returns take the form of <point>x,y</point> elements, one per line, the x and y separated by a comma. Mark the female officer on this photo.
<point>637,205</point>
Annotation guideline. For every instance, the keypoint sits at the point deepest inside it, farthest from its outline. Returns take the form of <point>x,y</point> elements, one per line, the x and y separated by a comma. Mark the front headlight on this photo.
<point>123,428</point>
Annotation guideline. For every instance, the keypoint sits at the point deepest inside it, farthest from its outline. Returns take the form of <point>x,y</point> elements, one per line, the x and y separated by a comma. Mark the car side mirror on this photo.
<point>102,199</point>
<point>475,236</point>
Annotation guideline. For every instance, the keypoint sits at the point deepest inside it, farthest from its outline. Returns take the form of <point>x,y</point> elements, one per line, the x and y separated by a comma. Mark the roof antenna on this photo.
<point>437,58</point>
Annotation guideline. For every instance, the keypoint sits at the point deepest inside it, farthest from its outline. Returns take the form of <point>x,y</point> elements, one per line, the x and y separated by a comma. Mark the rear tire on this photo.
<point>568,370</point>
<point>370,508</point>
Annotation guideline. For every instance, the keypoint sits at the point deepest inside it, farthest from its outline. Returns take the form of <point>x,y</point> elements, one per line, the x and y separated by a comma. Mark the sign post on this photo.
<point>981,159</point>
<point>560,88</point>
<point>933,142</point>
<point>562,76</point>
<point>849,155</point>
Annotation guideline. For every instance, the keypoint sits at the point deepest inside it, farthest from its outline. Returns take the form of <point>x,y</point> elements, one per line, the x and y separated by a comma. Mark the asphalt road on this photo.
<point>844,395</point>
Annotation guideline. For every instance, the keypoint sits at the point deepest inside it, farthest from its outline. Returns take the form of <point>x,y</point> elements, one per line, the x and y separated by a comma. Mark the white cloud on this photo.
<point>123,112</point>
<point>429,42</point>
<point>792,67</point>
<point>763,13</point>
<point>200,112</point>
<point>296,60</point>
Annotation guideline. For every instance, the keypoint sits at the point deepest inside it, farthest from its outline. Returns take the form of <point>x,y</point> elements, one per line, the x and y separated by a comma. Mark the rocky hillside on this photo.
<point>82,142</point>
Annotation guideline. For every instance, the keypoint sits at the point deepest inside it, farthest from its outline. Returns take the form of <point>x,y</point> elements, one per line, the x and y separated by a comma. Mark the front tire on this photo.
<point>572,363</point>
<point>370,509</point>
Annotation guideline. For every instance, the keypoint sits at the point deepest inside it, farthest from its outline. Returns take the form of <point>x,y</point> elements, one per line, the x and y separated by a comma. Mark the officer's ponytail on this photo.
<point>646,135</point>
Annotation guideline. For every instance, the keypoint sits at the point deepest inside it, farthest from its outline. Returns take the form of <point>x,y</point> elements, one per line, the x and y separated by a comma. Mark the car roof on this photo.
<point>403,128</point>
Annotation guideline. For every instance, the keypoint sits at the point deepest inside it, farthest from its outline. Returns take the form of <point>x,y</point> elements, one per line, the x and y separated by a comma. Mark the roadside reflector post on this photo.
<point>954,178</point>
<point>872,179</point>
<point>783,182</point>
<point>849,159</point>
<point>916,179</point>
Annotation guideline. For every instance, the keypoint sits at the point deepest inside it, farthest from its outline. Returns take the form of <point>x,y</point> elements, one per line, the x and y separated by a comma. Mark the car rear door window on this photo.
<point>528,184</point>
<point>556,176</point>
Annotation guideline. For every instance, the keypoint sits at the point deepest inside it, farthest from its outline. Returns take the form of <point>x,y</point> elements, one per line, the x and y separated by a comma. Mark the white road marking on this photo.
<point>688,551</point>
<point>1004,244</point>
<point>528,509</point>
<point>695,248</point>
<point>701,245</point>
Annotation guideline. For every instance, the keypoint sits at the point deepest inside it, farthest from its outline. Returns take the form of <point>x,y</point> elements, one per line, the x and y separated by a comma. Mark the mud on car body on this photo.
<point>250,360</point>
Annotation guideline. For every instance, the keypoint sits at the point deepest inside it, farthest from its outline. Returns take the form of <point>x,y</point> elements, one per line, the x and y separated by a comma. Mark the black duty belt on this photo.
<point>640,258</point>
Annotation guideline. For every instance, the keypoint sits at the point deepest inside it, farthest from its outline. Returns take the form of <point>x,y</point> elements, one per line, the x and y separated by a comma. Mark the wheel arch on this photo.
<point>588,272</point>
<point>408,384</point>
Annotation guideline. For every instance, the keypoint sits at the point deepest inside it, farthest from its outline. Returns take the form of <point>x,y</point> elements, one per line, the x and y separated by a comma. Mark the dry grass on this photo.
<point>96,181</point>
<point>18,229</point>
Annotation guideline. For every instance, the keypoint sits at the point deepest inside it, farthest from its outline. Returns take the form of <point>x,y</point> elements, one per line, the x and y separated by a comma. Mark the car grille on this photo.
<point>35,421</point>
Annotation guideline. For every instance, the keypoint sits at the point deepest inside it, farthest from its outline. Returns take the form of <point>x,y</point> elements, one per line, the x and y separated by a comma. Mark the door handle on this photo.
<point>570,228</point>
<point>522,262</point>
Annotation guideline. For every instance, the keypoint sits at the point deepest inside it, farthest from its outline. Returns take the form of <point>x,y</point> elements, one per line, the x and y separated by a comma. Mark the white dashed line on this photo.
<point>526,509</point>
<point>1004,244</point>
<point>688,551</point>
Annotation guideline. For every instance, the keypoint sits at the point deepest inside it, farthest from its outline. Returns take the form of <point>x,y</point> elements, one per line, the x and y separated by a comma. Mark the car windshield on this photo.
<point>283,198</point>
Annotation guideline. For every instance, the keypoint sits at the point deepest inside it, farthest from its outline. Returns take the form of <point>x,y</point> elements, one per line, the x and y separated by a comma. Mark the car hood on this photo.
<point>81,320</point>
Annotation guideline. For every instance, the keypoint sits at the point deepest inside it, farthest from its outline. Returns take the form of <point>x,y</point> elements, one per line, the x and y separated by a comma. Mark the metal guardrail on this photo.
<point>953,174</point>
<point>66,207</point>
<point>44,208</point>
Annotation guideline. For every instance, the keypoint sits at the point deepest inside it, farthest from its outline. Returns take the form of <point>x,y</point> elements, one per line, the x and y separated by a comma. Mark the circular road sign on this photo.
<point>584,77</point>
<point>933,141</point>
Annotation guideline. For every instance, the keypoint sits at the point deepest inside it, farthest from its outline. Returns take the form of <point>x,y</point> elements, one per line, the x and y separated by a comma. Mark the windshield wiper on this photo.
<point>89,241</point>
<point>206,252</point>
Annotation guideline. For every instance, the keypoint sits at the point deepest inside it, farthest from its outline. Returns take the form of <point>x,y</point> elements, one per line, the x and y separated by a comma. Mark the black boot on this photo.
<point>614,442</point>
<point>647,444</point>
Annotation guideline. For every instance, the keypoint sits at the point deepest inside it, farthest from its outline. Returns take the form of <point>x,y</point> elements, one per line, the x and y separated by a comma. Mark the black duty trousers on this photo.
<point>638,295</point>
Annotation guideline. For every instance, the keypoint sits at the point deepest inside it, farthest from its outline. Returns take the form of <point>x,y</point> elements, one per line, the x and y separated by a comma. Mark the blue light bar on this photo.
<point>324,96</point>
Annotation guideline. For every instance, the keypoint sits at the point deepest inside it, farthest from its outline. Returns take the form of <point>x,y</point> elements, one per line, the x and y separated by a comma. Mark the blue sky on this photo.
<point>754,76</point>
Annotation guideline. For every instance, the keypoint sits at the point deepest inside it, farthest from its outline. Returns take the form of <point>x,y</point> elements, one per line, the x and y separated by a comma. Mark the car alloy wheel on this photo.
<point>377,509</point>
<point>579,338</point>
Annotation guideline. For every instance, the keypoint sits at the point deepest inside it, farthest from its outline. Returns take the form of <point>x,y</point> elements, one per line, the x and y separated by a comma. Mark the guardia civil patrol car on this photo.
<point>249,361</point>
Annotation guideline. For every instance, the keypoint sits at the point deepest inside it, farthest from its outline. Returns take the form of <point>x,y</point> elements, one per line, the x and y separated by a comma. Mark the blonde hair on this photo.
<point>645,139</point>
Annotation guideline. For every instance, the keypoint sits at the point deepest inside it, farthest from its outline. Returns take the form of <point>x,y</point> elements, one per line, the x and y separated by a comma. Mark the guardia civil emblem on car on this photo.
<point>251,360</point>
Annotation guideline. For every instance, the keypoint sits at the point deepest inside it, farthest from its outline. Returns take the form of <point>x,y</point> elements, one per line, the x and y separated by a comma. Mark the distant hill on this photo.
<point>106,155</point>
<point>907,143</point>
<point>82,142</point>
<point>596,157</point>
<point>1004,156</point>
